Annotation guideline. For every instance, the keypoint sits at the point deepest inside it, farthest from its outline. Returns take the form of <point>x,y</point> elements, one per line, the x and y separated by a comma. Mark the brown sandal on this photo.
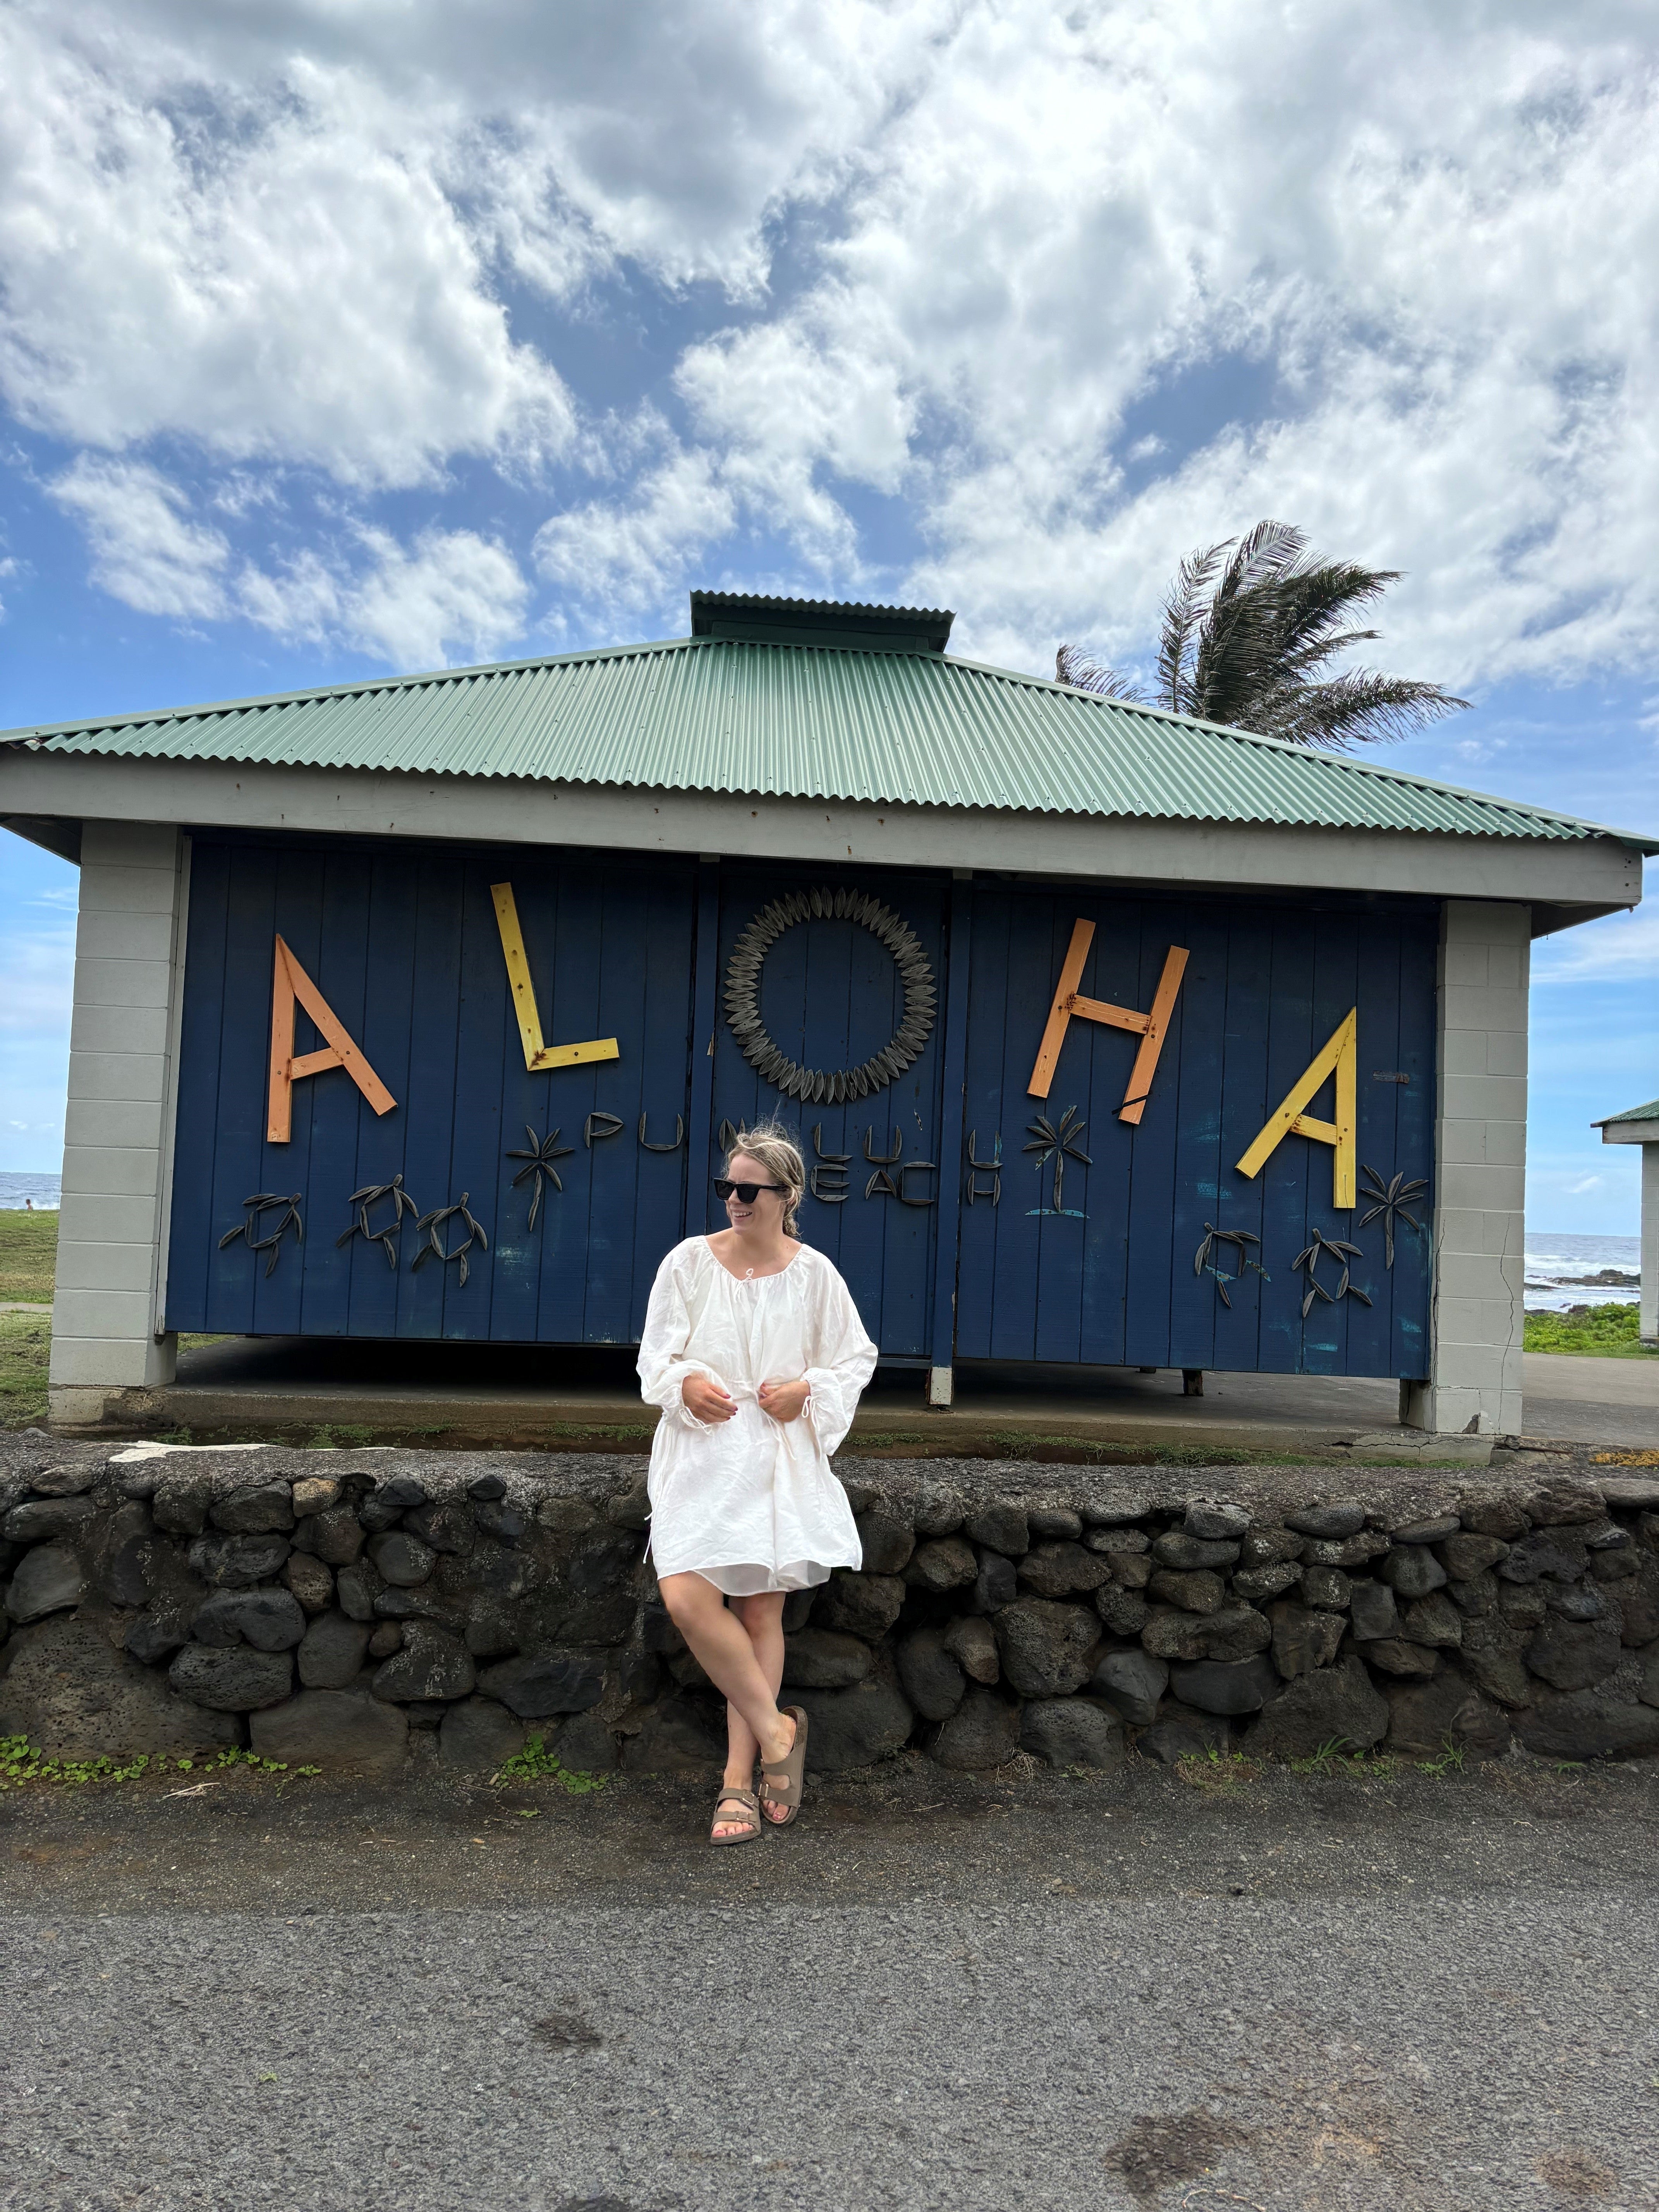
<point>748,1803</point>
<point>782,1785</point>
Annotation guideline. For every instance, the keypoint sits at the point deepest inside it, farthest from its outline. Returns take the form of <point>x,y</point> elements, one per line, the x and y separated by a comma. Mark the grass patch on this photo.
<point>536,1763</point>
<point>1605,1332</point>
<point>25,1357</point>
<point>1449,1761</point>
<point>20,1762</point>
<point>1339,1756</point>
<point>25,1353</point>
<point>1214,1770</point>
<point>28,1254</point>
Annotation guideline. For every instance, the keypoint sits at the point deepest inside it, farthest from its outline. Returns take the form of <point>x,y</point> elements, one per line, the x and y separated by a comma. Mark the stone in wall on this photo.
<point>75,1695</point>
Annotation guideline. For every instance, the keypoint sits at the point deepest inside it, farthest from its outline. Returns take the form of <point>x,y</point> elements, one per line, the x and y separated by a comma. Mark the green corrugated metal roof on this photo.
<point>1648,1113</point>
<point>814,722</point>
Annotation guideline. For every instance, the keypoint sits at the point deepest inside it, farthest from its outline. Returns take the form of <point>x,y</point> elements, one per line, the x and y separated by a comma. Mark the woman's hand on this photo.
<point>783,1401</point>
<point>706,1401</point>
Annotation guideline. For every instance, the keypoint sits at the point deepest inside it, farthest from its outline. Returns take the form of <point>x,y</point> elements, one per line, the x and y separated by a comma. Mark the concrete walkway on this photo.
<point>466,1393</point>
<point>457,1395</point>
<point>1581,1400</point>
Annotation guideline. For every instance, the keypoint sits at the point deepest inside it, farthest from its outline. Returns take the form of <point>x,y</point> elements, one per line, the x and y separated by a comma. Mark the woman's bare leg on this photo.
<point>763,1621</point>
<point>722,1647</point>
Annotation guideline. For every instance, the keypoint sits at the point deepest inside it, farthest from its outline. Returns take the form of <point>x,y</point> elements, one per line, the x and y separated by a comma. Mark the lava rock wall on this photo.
<point>358,1610</point>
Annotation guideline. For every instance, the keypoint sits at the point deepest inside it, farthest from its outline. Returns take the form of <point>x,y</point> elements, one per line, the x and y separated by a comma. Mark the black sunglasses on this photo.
<point>746,1191</point>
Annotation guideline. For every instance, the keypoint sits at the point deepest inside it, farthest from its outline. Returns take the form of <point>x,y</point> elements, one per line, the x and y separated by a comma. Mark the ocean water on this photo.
<point>42,1191</point>
<point>1557,1266</point>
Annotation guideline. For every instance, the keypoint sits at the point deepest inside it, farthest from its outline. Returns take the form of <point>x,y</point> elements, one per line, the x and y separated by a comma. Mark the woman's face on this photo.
<point>765,1216</point>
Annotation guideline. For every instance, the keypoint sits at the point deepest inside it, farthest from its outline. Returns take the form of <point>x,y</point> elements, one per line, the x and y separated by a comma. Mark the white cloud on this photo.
<point>453,592</point>
<point>145,551</point>
<point>455,589</point>
<point>636,558</point>
<point>454,595</point>
<point>1620,948</point>
<point>1081,287</point>
<point>275,272</point>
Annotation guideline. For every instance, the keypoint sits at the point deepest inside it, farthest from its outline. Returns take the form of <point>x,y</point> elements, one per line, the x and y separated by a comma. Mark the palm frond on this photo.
<point>1249,625</point>
<point>1362,707</point>
<point>1183,610</point>
<point>1075,666</point>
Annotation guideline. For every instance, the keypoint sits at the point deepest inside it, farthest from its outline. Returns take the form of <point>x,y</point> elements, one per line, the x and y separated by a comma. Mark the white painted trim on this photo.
<point>1598,874</point>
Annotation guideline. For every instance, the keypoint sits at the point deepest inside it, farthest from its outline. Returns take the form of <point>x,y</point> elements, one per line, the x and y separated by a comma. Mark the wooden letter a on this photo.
<point>289,982</point>
<point>1338,1057</point>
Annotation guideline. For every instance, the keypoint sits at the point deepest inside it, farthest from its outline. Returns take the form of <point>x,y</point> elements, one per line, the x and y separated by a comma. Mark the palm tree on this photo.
<point>1245,644</point>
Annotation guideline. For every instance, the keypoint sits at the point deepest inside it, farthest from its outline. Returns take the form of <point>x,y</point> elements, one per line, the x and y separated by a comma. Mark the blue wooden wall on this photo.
<point>1264,988</point>
<point>402,943</point>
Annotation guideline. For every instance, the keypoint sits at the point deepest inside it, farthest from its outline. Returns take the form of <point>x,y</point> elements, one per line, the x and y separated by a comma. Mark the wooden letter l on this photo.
<point>289,982</point>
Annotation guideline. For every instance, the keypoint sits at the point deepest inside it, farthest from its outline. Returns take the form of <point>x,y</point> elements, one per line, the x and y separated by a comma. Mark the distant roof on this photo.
<point>895,723</point>
<point>1648,1113</point>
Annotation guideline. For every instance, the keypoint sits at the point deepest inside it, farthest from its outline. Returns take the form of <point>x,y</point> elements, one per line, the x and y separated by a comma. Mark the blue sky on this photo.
<point>340,336</point>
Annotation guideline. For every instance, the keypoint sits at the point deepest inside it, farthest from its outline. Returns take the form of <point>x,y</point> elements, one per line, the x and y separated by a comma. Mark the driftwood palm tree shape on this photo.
<point>1239,1237</point>
<point>1309,1260</point>
<point>1057,1141</point>
<point>544,1151</point>
<point>387,1239</point>
<point>431,1225</point>
<point>1391,1201</point>
<point>259,1205</point>
<point>1246,639</point>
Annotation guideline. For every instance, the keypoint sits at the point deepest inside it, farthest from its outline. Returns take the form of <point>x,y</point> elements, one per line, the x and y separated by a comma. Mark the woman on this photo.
<point>755,1352</point>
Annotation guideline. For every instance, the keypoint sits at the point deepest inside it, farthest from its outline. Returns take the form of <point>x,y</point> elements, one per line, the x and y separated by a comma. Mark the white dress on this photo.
<point>751,1503</point>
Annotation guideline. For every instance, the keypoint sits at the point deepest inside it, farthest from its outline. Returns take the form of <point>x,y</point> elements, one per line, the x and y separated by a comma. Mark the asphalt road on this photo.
<point>1307,1991</point>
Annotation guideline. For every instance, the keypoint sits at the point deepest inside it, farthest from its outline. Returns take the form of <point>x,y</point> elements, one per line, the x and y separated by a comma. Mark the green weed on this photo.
<point>1342,1756</point>
<point>21,1761</point>
<point>1210,1769</point>
<point>1450,1761</point>
<point>536,1763</point>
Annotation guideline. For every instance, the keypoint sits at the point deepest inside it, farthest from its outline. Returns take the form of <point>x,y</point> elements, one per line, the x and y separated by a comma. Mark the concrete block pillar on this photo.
<point>1648,1323</point>
<point>118,1130</point>
<point>1474,1387</point>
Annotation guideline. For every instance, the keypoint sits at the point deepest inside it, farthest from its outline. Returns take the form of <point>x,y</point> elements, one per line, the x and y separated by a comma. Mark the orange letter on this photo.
<point>289,982</point>
<point>1150,1027</point>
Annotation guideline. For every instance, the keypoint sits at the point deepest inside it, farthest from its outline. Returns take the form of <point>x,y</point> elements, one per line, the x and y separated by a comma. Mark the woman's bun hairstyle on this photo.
<point>773,1145</point>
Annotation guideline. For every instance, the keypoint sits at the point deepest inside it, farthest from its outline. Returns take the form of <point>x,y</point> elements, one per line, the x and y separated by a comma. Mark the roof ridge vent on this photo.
<point>759,619</point>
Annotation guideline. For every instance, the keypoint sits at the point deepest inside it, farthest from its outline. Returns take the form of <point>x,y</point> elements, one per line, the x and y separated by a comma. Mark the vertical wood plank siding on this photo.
<point>405,948</point>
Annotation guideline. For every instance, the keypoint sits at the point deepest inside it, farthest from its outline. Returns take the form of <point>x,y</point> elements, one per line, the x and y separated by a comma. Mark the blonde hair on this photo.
<point>773,1146</point>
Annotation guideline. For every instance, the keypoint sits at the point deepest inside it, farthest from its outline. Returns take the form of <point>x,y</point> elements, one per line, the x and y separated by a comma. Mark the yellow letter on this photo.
<point>1337,1057</point>
<point>536,1055</point>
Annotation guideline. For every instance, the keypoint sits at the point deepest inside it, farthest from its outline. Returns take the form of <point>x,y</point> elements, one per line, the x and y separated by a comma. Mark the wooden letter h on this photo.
<point>1150,1027</point>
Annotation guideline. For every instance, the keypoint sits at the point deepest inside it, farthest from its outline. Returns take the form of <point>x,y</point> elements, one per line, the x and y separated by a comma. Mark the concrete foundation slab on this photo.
<point>456,1396</point>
